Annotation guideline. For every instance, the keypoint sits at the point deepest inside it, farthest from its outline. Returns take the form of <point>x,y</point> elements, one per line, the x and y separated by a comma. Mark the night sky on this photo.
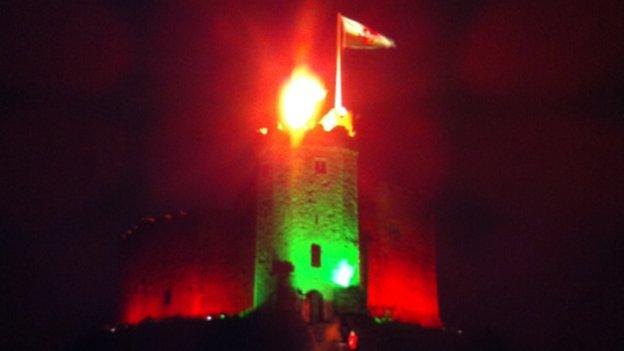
<point>503,119</point>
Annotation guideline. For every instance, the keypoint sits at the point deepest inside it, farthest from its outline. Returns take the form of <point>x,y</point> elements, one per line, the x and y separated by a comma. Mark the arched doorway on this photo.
<point>314,300</point>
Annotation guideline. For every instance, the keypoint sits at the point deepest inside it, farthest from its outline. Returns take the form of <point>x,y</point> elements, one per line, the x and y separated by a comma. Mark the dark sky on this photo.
<point>504,117</point>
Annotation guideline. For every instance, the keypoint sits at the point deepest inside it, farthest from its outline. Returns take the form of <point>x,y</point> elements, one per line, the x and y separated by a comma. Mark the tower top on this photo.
<point>300,103</point>
<point>337,137</point>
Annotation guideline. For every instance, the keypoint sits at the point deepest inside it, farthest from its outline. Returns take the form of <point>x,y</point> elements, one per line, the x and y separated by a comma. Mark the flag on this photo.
<point>359,36</point>
<point>352,35</point>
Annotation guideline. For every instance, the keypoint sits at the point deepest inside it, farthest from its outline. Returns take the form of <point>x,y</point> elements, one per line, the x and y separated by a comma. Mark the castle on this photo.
<point>335,242</point>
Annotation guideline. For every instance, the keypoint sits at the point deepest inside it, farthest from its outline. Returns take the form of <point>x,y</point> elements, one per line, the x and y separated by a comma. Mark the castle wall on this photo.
<point>400,259</point>
<point>300,204</point>
<point>209,263</point>
<point>180,266</point>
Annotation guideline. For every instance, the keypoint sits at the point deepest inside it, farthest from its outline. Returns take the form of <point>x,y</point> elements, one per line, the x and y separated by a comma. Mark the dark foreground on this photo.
<point>270,331</point>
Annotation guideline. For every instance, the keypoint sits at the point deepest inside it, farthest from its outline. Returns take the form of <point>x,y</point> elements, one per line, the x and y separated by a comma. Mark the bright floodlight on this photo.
<point>343,273</point>
<point>300,100</point>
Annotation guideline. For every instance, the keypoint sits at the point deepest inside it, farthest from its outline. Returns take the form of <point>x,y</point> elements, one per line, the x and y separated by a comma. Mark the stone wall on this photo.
<point>301,203</point>
<point>400,258</point>
<point>186,265</point>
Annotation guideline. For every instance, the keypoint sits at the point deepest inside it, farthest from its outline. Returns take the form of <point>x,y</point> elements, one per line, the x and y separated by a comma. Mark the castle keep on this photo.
<point>307,217</point>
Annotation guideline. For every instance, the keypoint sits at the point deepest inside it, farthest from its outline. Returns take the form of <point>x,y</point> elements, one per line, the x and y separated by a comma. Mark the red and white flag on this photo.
<point>350,35</point>
<point>359,36</point>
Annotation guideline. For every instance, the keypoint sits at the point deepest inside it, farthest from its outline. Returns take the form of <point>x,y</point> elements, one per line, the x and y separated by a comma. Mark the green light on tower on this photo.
<point>307,207</point>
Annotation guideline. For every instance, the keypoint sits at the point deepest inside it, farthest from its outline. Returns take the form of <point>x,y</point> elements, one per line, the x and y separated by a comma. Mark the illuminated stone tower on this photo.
<point>307,215</point>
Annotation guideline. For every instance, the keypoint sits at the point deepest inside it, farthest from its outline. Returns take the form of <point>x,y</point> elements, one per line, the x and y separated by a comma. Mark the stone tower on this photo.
<point>307,216</point>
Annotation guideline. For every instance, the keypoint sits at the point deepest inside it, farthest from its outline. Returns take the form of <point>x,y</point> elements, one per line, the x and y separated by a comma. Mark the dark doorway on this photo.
<point>315,301</point>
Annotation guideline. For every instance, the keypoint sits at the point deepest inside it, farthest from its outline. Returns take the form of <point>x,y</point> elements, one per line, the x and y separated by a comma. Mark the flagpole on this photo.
<point>338,92</point>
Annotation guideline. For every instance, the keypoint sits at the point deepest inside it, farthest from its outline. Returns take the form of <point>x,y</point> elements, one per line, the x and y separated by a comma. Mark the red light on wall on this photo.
<point>402,283</point>
<point>189,297</point>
